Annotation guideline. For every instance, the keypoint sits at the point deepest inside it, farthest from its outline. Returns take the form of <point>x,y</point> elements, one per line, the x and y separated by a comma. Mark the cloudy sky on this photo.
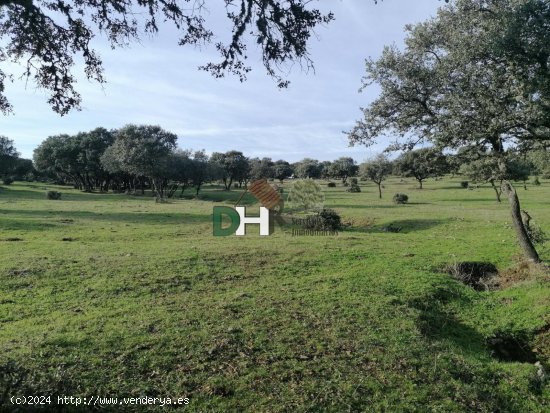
<point>157,82</point>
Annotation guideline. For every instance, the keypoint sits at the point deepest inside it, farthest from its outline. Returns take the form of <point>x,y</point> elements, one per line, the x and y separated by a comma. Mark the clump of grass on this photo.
<point>480,276</point>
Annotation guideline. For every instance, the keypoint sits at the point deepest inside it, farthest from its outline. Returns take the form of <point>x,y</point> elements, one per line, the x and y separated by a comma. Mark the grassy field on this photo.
<point>114,295</point>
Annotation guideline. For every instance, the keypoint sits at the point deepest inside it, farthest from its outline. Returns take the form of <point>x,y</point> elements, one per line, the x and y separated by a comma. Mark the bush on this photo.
<point>354,186</point>
<point>536,181</point>
<point>464,184</point>
<point>331,220</point>
<point>53,195</point>
<point>7,180</point>
<point>400,198</point>
<point>324,220</point>
<point>331,184</point>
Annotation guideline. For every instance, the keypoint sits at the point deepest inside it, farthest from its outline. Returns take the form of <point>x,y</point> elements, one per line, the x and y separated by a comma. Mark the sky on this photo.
<point>157,82</point>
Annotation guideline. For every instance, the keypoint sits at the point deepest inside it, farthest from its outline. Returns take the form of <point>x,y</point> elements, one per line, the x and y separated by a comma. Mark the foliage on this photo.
<point>8,156</point>
<point>475,76</point>
<point>7,180</point>
<point>145,151</point>
<point>331,184</point>
<point>421,164</point>
<point>75,159</point>
<point>400,198</point>
<point>233,165</point>
<point>464,184</point>
<point>325,169</point>
<point>305,195</point>
<point>307,168</point>
<point>343,168</point>
<point>261,169</point>
<point>281,29</point>
<point>354,186</point>
<point>282,170</point>
<point>376,169</point>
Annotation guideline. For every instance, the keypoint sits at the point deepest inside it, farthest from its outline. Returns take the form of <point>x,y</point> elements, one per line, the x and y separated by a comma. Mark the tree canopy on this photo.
<point>476,75</point>
<point>376,169</point>
<point>47,36</point>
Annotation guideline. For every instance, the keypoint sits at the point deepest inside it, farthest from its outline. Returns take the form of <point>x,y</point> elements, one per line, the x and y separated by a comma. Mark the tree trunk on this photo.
<point>420,183</point>
<point>529,250</point>
<point>496,190</point>
<point>379,190</point>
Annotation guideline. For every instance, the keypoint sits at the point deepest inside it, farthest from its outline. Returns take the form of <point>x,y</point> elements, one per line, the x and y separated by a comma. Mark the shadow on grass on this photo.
<point>54,217</point>
<point>355,206</point>
<point>494,200</point>
<point>229,197</point>
<point>68,195</point>
<point>439,326</point>
<point>409,225</point>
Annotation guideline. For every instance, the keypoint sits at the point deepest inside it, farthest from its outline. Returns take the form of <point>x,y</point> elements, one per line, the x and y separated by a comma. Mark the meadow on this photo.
<point>114,295</point>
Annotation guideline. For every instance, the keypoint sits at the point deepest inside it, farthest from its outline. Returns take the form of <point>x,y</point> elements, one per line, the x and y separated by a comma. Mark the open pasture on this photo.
<point>114,295</point>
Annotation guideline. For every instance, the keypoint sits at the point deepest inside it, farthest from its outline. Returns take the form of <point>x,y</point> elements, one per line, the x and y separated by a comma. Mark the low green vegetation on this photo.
<point>116,295</point>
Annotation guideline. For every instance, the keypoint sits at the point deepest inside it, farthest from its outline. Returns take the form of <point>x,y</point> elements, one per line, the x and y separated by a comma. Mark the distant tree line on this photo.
<point>139,157</point>
<point>12,167</point>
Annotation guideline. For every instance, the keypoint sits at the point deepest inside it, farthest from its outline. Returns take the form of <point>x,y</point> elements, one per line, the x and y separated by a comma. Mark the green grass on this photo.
<point>141,299</point>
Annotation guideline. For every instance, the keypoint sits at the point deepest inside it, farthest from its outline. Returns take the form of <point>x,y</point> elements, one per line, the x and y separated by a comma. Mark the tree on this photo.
<point>233,166</point>
<point>261,168</point>
<point>483,170</point>
<point>8,156</point>
<point>23,169</point>
<point>343,168</point>
<point>540,159</point>
<point>476,75</point>
<point>179,171</point>
<point>282,170</point>
<point>307,168</point>
<point>376,169</point>
<point>48,35</point>
<point>57,156</point>
<point>145,151</point>
<point>326,168</point>
<point>421,164</point>
<point>76,158</point>
<point>200,170</point>
<point>92,146</point>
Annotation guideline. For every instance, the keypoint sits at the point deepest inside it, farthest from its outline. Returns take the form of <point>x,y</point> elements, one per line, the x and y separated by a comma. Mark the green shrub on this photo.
<point>331,184</point>
<point>53,195</point>
<point>7,180</point>
<point>464,184</point>
<point>354,186</point>
<point>536,181</point>
<point>400,198</point>
<point>324,220</point>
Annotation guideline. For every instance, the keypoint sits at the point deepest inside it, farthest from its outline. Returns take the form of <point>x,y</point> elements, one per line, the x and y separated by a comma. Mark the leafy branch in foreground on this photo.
<point>47,35</point>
